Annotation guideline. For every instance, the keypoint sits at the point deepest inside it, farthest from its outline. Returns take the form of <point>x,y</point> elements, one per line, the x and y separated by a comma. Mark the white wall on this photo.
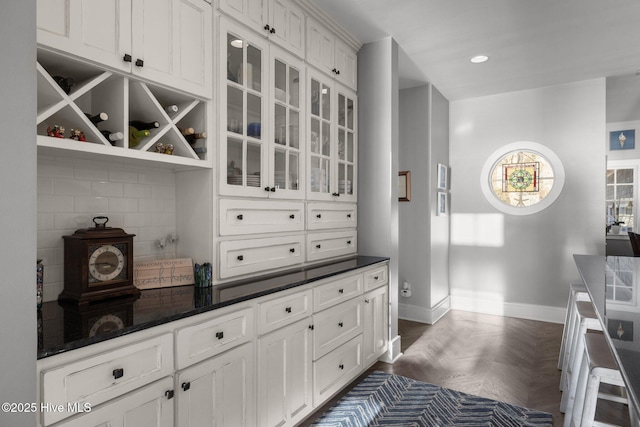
<point>378,163</point>
<point>18,209</point>
<point>528,273</point>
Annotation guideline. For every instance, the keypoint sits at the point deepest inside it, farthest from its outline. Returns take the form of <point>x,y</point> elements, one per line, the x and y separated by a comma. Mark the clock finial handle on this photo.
<point>100,225</point>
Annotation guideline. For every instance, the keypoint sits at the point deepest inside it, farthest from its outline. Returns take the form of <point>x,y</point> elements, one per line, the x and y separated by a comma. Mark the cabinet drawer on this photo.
<point>327,245</point>
<point>336,369</point>
<point>102,377</point>
<point>336,326</point>
<point>249,256</point>
<point>375,277</point>
<point>199,342</point>
<point>282,311</point>
<point>321,216</point>
<point>336,291</point>
<point>239,217</point>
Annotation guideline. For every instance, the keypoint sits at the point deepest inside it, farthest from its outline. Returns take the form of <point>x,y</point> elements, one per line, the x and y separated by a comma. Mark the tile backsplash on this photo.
<point>142,201</point>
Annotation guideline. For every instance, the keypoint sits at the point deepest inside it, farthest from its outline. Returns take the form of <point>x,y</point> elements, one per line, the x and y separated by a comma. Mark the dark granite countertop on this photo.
<point>64,327</point>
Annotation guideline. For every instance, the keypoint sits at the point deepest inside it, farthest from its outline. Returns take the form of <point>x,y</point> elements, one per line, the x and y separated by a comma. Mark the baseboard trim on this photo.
<point>394,351</point>
<point>424,315</point>
<point>490,304</point>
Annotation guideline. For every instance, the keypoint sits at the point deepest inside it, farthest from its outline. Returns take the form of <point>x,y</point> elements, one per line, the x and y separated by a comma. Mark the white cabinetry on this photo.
<point>331,55</point>
<point>323,216</point>
<point>375,313</point>
<point>166,41</point>
<point>241,217</point>
<point>238,257</point>
<point>279,20</point>
<point>328,245</point>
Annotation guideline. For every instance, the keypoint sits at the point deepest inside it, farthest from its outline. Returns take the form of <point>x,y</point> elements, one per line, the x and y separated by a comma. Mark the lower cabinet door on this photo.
<point>150,406</point>
<point>218,391</point>
<point>375,315</point>
<point>284,375</point>
<point>337,369</point>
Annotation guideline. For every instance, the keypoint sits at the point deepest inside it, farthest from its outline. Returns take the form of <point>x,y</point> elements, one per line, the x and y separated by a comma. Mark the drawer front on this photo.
<point>336,326</point>
<point>199,342</point>
<point>376,277</point>
<point>336,291</point>
<point>336,369</point>
<point>240,217</point>
<point>283,311</point>
<point>249,256</point>
<point>322,216</point>
<point>328,245</point>
<point>97,379</point>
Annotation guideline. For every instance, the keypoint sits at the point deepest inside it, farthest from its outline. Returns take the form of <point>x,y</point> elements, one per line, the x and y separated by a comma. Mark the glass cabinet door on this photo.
<point>320,139</point>
<point>243,148</point>
<point>286,155</point>
<point>346,150</point>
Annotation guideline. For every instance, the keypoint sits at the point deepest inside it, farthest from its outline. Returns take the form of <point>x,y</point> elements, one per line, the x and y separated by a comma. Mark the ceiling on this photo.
<point>530,43</point>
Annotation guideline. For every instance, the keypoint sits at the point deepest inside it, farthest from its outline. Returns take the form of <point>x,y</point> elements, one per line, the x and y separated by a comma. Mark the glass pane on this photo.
<point>326,102</point>
<point>294,87</point>
<point>341,144</point>
<point>624,192</point>
<point>280,125</point>
<point>294,129</point>
<point>610,192</point>
<point>234,110</point>
<point>345,179</point>
<point>254,115</point>
<point>234,58</point>
<point>315,135</point>
<point>234,162</point>
<point>350,157</point>
<point>350,113</point>
<point>319,175</point>
<point>280,169</point>
<point>341,110</point>
<point>315,97</point>
<point>280,81</point>
<point>610,176</point>
<point>349,183</point>
<point>254,164</point>
<point>624,176</point>
<point>326,135</point>
<point>254,68</point>
<point>293,171</point>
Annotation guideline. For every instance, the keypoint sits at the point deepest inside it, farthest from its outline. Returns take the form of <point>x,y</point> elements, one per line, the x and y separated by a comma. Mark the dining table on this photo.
<point>613,285</point>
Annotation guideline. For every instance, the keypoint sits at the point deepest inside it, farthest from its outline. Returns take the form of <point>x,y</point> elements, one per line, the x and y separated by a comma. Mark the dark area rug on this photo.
<point>391,400</point>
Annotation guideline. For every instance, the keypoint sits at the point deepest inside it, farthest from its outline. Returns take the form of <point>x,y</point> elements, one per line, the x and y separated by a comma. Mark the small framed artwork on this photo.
<point>404,186</point>
<point>620,329</point>
<point>442,203</point>
<point>442,176</point>
<point>622,139</point>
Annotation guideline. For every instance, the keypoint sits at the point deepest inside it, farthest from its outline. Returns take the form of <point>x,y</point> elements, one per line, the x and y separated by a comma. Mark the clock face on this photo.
<point>106,323</point>
<point>107,262</point>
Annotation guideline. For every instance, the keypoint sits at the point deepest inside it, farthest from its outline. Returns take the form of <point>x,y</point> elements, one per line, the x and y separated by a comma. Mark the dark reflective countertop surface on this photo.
<point>64,327</point>
<point>612,283</point>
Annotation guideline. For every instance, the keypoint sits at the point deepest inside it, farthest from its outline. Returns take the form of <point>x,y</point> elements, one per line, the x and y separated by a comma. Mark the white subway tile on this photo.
<point>47,203</point>
<point>151,205</point>
<point>107,189</point>
<point>91,171</point>
<point>163,191</point>
<point>71,187</point>
<point>55,167</point>
<point>137,190</point>
<point>45,185</point>
<point>45,221</point>
<point>156,177</point>
<point>91,204</point>
<point>123,174</point>
<point>136,219</point>
<point>52,239</point>
<point>123,204</point>
<point>71,221</point>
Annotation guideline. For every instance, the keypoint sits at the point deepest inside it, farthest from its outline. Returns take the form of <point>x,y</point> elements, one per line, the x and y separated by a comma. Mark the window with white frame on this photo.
<point>621,194</point>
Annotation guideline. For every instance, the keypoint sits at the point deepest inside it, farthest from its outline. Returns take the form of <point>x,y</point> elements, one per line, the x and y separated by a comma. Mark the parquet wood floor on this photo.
<point>502,358</point>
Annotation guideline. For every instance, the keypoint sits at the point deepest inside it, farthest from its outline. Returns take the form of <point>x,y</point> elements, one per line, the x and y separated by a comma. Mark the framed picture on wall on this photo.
<point>622,139</point>
<point>404,186</point>
<point>442,203</point>
<point>442,176</point>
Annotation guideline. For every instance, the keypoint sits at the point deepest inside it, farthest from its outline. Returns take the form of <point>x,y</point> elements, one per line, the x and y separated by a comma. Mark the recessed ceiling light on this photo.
<point>479,59</point>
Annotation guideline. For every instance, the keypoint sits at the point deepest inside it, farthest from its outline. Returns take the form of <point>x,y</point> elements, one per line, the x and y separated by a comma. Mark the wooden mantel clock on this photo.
<point>98,264</point>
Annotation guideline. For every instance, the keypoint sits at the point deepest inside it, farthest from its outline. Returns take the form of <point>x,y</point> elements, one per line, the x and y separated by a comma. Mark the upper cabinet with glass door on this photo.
<point>621,195</point>
<point>332,140</point>
<point>164,41</point>
<point>279,20</point>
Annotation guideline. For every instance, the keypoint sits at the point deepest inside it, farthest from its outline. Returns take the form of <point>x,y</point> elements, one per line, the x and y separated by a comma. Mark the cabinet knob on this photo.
<point>341,366</point>
<point>219,335</point>
<point>341,324</point>
<point>348,215</point>
<point>292,250</point>
<point>240,217</point>
<point>338,72</point>
<point>240,257</point>
<point>334,71</point>
<point>319,216</point>
<point>318,246</point>
<point>273,189</point>
<point>292,216</point>
<point>367,301</point>
<point>139,63</point>
<point>126,57</point>
<point>335,194</point>
<point>118,373</point>
<point>272,30</point>
<point>341,291</point>
<point>311,327</point>
<point>266,27</point>
<point>348,242</point>
<point>288,309</point>
<point>169,394</point>
<point>375,277</point>
<point>185,386</point>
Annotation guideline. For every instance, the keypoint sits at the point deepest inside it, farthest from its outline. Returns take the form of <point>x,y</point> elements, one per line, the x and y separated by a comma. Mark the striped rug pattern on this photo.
<point>391,400</point>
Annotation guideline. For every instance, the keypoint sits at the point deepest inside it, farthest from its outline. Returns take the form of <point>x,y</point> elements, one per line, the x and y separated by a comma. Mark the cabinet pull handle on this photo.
<point>272,30</point>
<point>288,309</point>
<point>318,246</point>
<point>319,216</point>
<point>375,277</point>
<point>367,301</point>
<point>341,291</point>
<point>118,373</point>
<point>292,250</point>
<point>219,335</point>
<point>169,394</point>
<point>240,217</point>
<point>341,366</point>
<point>338,72</point>
<point>292,216</point>
<point>348,242</point>
<point>139,63</point>
<point>126,57</point>
<point>341,324</point>
<point>186,386</point>
<point>311,327</point>
<point>266,27</point>
<point>334,71</point>
<point>335,194</point>
<point>267,189</point>
<point>272,189</point>
<point>348,215</point>
<point>240,257</point>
